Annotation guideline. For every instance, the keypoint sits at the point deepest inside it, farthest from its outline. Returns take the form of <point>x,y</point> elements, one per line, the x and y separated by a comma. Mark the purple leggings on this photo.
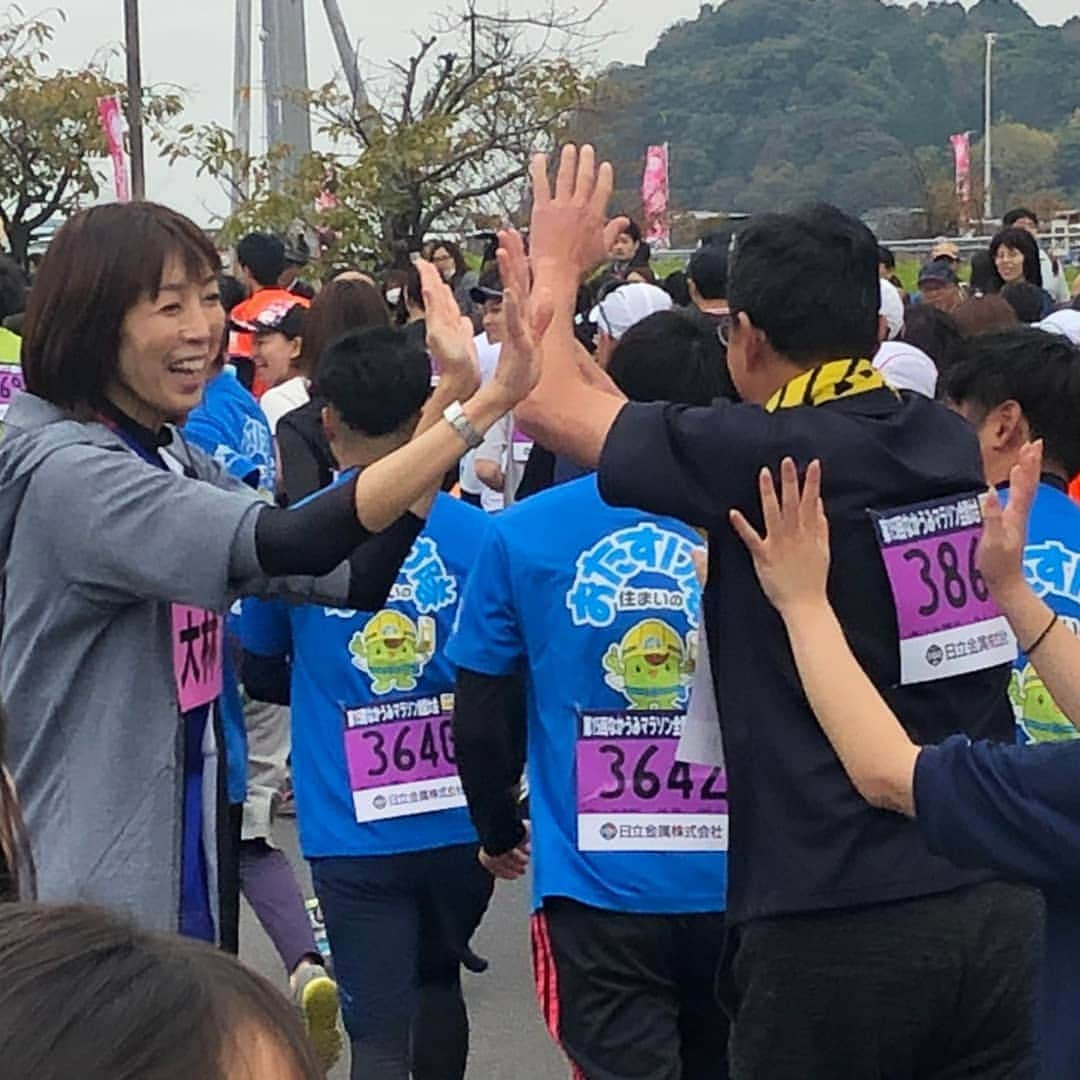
<point>269,884</point>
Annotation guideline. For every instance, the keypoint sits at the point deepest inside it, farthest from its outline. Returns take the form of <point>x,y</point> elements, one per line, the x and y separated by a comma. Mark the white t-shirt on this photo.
<point>487,354</point>
<point>282,399</point>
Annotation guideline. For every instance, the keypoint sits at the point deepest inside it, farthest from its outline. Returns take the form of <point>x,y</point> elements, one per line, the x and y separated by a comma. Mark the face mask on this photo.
<point>393,296</point>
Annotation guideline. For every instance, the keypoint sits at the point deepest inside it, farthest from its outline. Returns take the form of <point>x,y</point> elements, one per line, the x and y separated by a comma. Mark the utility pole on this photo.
<point>988,212</point>
<point>285,74</point>
<point>242,96</point>
<point>350,62</point>
<point>134,93</point>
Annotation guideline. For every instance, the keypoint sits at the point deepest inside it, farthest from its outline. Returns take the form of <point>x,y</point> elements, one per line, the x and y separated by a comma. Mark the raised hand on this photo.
<point>792,559</point>
<point>568,233</point>
<point>528,315</point>
<point>449,333</point>
<point>1000,557</point>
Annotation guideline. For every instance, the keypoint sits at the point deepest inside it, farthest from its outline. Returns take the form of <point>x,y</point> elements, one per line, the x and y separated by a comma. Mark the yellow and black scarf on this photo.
<point>830,381</point>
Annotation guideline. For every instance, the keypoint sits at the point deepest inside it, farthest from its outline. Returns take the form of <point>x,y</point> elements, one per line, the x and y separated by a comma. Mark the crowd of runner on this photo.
<point>739,612</point>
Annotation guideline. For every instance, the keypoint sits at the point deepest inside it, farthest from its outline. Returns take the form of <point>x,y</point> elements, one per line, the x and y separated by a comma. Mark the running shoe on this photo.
<point>316,996</point>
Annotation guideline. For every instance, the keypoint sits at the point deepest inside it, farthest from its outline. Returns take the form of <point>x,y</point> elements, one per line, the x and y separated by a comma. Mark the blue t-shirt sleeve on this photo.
<point>204,431</point>
<point>487,638</point>
<point>1014,809</point>
<point>265,628</point>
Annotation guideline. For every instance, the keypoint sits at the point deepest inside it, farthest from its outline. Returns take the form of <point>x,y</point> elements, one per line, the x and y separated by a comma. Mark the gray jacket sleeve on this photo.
<point>123,530</point>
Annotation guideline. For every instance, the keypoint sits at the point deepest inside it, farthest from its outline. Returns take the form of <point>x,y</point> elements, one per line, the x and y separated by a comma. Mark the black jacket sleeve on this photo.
<point>266,678</point>
<point>489,740</point>
<point>375,564</point>
<point>305,459</point>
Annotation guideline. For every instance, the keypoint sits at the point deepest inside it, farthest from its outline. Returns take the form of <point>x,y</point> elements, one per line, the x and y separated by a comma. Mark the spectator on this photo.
<point>887,269</point>
<point>707,276</point>
<point>939,286</point>
<point>393,290</point>
<point>629,251</point>
<point>450,262</point>
<point>982,313</point>
<point>904,366</point>
<point>1016,258</point>
<point>12,302</point>
<point>1053,274</point>
<point>946,251</point>
<point>934,333</point>
<point>279,336</point>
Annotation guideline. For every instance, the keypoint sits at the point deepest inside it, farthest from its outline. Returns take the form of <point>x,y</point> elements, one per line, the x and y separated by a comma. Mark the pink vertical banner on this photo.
<point>654,196</point>
<point>112,124</point>
<point>961,145</point>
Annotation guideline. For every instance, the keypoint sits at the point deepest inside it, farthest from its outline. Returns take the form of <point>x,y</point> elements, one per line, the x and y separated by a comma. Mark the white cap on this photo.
<point>892,307</point>
<point>628,305</point>
<point>1066,322</point>
<point>907,368</point>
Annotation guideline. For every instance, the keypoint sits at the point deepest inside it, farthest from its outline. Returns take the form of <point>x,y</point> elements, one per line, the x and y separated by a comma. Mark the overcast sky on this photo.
<point>189,43</point>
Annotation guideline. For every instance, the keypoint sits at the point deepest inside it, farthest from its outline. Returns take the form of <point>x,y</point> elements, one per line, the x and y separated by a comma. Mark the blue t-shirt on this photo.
<point>372,700</point>
<point>232,429</point>
<point>1016,809</point>
<point>1052,569</point>
<point>599,607</point>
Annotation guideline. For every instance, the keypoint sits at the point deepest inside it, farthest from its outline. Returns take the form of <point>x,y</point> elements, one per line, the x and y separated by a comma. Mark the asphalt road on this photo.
<point>508,1037</point>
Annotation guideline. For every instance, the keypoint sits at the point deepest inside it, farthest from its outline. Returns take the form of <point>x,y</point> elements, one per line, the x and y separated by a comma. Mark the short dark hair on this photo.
<point>984,278</point>
<point>632,229</point>
<point>1025,299</point>
<point>232,292</point>
<point>263,256</point>
<point>1020,240</point>
<point>672,356</point>
<point>12,288</point>
<point>343,304</point>
<point>83,993</point>
<point>809,280</point>
<point>1014,215</point>
<point>101,262</point>
<point>1039,371</point>
<point>375,379</point>
<point>675,285</point>
<point>708,270</point>
<point>885,257</point>
<point>933,331</point>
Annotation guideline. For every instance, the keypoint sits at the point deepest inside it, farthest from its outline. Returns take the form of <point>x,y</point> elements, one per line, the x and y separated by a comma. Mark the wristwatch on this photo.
<point>455,416</point>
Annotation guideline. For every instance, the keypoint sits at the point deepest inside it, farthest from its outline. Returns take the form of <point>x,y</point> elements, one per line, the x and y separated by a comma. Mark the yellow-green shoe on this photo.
<point>316,996</point>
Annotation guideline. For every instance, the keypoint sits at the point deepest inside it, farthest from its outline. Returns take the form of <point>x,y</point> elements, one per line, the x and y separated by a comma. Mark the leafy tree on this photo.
<point>1068,161</point>
<point>1024,164</point>
<point>447,139</point>
<point>51,143</point>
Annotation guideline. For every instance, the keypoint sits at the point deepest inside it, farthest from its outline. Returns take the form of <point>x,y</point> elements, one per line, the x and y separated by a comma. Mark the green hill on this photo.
<point>768,102</point>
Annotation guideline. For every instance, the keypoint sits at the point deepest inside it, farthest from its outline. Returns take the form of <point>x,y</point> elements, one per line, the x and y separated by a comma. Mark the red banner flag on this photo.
<point>112,123</point>
<point>654,197</point>
<point>961,145</point>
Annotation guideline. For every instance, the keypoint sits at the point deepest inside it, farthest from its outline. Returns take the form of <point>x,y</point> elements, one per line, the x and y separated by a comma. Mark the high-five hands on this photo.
<point>792,558</point>
<point>569,235</point>
<point>449,333</point>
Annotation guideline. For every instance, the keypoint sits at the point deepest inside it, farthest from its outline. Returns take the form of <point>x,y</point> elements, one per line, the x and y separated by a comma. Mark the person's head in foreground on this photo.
<point>1016,257</point>
<point>980,314</point>
<point>671,356</point>
<point>1015,386</point>
<point>1025,299</point>
<point>707,274</point>
<point>84,994</point>
<point>939,286</point>
<point>375,383</point>
<point>125,311</point>
<point>804,289</point>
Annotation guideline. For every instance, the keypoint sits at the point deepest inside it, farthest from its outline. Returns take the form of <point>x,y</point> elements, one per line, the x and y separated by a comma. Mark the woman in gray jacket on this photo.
<point>122,545</point>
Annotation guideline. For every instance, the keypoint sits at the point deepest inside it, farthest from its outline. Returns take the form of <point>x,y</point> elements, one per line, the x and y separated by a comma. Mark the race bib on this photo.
<point>632,795</point>
<point>400,757</point>
<point>948,623</point>
<point>198,641</point>
<point>11,383</point>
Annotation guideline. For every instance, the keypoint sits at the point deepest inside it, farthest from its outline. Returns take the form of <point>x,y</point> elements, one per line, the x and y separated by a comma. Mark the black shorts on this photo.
<point>631,997</point>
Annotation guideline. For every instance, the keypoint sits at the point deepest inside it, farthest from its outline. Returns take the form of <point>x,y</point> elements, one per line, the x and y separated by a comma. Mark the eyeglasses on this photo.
<point>723,328</point>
